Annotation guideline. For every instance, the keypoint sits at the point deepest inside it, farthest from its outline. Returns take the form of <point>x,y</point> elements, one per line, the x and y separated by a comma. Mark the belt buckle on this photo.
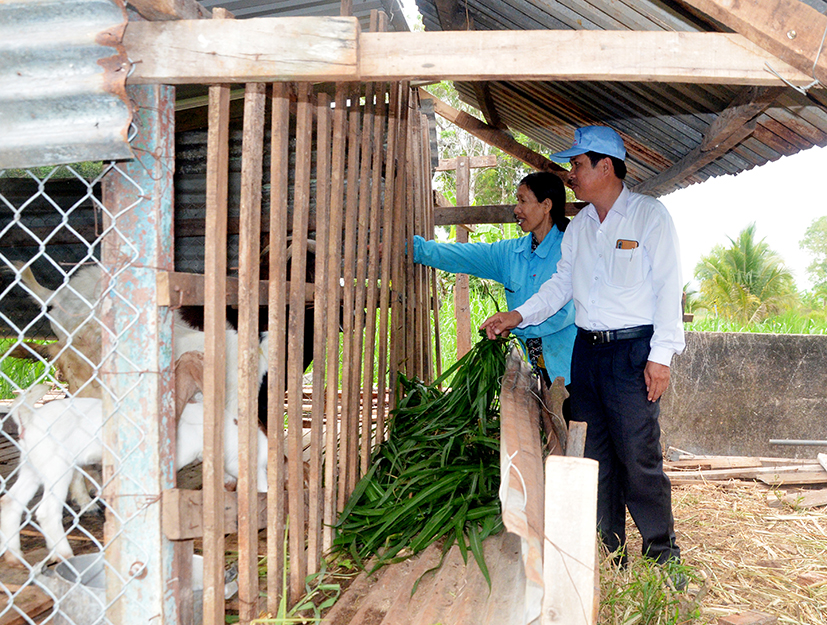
<point>605,336</point>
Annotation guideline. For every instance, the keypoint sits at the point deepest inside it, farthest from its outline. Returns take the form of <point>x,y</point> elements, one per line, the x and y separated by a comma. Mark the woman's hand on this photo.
<point>500,323</point>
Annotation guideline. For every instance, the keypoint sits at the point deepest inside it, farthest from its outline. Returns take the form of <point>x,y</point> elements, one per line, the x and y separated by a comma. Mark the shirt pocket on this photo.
<point>626,267</point>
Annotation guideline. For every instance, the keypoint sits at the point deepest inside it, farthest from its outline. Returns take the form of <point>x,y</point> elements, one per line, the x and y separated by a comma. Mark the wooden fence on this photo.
<point>372,172</point>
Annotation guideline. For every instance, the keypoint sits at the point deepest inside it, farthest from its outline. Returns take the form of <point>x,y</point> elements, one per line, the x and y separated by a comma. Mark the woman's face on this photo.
<point>531,215</point>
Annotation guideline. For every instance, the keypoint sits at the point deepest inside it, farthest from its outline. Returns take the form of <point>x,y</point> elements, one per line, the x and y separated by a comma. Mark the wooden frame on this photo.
<point>203,53</point>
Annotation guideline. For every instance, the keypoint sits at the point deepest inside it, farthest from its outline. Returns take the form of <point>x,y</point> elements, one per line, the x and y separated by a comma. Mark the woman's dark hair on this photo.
<point>547,186</point>
<point>618,165</point>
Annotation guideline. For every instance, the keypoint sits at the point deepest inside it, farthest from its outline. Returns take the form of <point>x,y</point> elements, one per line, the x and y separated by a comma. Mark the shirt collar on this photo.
<point>524,244</point>
<point>620,206</point>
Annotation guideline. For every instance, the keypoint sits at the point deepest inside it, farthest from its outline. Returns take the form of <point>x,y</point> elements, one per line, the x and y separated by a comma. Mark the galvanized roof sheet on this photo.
<point>660,122</point>
<point>63,98</point>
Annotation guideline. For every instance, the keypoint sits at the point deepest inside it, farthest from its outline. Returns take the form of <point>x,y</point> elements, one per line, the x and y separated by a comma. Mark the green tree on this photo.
<point>746,281</point>
<point>815,242</point>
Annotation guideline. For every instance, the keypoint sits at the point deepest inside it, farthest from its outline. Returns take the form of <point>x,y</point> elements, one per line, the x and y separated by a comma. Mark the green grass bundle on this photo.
<point>438,474</point>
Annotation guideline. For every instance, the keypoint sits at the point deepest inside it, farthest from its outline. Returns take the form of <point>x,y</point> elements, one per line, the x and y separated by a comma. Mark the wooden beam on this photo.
<point>331,48</point>
<point>487,214</point>
<point>493,136</point>
<point>254,50</point>
<point>486,160</point>
<point>183,519</point>
<point>731,127</point>
<point>788,29</point>
<point>715,58</point>
<point>158,10</point>
<point>487,106</point>
<point>187,289</point>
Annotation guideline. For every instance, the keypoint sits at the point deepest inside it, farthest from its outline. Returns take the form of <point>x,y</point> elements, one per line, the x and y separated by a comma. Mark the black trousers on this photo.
<point>623,435</point>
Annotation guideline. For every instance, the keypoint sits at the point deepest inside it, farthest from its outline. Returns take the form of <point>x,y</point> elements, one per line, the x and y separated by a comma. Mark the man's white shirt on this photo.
<point>621,273</point>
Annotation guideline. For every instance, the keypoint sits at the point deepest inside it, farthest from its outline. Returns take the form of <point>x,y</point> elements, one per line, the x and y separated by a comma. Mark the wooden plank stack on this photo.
<point>800,476</point>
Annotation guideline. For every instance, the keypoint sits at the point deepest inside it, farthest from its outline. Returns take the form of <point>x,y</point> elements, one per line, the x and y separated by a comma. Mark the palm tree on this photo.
<point>746,282</point>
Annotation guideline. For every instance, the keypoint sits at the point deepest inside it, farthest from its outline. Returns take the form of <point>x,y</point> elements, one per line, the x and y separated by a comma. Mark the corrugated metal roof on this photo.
<point>312,8</point>
<point>660,122</point>
<point>63,97</point>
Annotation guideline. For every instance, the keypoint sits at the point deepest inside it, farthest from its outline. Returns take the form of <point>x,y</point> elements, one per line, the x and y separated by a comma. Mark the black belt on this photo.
<point>607,336</point>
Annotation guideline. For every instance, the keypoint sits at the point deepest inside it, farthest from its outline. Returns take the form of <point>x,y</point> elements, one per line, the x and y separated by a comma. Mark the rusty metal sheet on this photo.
<point>62,82</point>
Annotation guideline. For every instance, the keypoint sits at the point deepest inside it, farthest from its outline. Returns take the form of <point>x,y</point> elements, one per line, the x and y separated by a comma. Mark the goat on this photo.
<point>65,434</point>
<point>71,307</point>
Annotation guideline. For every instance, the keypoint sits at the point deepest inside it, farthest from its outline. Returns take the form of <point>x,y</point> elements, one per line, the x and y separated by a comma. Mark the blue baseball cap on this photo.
<point>600,139</point>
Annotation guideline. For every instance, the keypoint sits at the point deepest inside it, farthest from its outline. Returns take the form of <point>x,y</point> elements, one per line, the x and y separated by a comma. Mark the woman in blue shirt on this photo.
<point>521,266</point>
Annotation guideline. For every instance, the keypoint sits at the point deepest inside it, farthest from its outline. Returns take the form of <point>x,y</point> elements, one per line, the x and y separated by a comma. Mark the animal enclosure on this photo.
<point>308,198</point>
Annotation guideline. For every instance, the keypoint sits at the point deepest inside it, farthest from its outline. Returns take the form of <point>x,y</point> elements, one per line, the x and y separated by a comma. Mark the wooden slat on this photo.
<point>426,226</point>
<point>747,473</point>
<point>790,30</point>
<point>807,499</point>
<point>349,455</point>
<point>386,259</point>
<point>320,345</point>
<point>359,431</point>
<point>372,304</point>
<point>411,356</point>
<point>214,296</point>
<point>29,603</point>
<point>295,342</point>
<point>187,289</point>
<point>277,348</point>
<point>250,50</point>
<point>330,49</point>
<point>399,306</point>
<point>333,439</point>
<point>184,514</point>
<point>248,346</point>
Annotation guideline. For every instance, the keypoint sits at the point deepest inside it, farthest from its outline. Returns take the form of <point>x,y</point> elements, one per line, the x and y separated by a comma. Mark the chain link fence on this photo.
<point>56,402</point>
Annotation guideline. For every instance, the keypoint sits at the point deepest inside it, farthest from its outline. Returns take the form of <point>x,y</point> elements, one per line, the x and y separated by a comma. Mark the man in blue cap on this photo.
<point>620,264</point>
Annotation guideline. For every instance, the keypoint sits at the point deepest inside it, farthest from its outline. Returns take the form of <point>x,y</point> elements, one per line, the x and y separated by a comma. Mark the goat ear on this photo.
<point>311,246</point>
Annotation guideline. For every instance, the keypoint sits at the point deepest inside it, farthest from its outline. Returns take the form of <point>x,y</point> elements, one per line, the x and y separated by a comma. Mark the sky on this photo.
<point>783,198</point>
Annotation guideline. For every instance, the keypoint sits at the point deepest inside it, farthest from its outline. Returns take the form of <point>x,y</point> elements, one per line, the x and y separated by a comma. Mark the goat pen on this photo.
<point>354,159</point>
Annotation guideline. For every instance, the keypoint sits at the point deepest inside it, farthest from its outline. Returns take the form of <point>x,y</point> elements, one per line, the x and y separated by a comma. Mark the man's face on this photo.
<point>583,178</point>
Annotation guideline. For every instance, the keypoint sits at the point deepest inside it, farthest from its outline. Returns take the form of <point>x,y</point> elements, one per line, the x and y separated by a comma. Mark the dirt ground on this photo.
<point>757,556</point>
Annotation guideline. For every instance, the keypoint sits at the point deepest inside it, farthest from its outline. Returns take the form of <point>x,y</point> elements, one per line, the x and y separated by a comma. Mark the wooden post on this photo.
<point>295,342</point>
<point>248,347</point>
<point>277,348</point>
<point>143,576</point>
<point>570,542</point>
<point>333,440</point>
<point>462,302</point>
<point>215,313</point>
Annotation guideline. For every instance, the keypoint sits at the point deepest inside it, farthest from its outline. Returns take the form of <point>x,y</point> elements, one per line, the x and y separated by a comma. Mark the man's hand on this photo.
<point>499,323</point>
<point>657,379</point>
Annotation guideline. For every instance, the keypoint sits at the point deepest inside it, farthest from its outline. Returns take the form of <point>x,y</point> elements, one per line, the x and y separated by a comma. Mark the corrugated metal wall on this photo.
<point>62,72</point>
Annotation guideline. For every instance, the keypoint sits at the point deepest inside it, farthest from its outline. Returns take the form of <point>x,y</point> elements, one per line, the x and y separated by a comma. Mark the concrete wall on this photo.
<point>731,393</point>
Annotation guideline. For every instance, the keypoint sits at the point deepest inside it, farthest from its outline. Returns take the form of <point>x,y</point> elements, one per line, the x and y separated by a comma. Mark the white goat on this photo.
<point>65,434</point>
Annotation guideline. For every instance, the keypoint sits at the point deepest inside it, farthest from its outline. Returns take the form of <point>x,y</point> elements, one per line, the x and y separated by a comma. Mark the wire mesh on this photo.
<point>52,287</point>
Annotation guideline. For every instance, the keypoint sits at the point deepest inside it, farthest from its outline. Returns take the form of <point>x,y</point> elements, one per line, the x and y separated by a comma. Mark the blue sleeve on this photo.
<point>483,260</point>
